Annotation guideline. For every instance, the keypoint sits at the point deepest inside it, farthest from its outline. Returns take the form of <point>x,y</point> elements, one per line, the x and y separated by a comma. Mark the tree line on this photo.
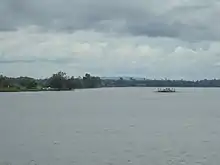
<point>160,83</point>
<point>61,81</point>
<point>58,81</point>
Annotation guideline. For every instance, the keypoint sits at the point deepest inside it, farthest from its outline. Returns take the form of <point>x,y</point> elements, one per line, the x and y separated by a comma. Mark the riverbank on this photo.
<point>30,90</point>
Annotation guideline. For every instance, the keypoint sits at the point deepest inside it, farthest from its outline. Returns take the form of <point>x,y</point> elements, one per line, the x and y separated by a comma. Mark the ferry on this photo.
<point>166,90</point>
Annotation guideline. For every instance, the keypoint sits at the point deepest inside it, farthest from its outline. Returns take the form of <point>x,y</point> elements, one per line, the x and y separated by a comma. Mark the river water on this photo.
<point>112,126</point>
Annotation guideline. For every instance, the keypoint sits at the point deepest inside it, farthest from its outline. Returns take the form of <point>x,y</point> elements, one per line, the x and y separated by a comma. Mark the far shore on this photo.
<point>2,90</point>
<point>60,81</point>
<point>30,90</point>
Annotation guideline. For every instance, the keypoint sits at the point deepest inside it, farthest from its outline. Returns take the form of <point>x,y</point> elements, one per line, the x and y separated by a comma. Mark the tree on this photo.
<point>31,84</point>
<point>4,82</point>
<point>87,81</point>
<point>60,81</point>
<point>70,83</point>
<point>88,76</point>
<point>27,82</point>
<point>91,81</point>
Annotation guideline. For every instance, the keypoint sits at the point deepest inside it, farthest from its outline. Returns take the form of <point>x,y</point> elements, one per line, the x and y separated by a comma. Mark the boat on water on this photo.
<point>166,90</point>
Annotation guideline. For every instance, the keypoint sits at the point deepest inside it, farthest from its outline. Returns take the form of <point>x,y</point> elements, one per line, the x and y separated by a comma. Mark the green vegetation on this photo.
<point>60,81</point>
<point>160,83</point>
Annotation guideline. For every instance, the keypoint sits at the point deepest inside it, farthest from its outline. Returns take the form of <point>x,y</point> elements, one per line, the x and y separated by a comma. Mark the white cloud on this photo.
<point>38,53</point>
<point>154,38</point>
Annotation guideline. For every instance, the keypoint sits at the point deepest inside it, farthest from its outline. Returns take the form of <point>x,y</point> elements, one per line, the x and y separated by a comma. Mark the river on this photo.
<point>110,126</point>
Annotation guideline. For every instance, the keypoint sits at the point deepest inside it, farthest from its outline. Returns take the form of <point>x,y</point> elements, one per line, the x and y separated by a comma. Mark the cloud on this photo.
<point>37,60</point>
<point>174,39</point>
<point>105,54</point>
<point>193,20</point>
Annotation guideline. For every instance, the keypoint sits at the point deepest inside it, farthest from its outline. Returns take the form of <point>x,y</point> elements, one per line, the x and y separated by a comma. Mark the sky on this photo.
<point>142,38</point>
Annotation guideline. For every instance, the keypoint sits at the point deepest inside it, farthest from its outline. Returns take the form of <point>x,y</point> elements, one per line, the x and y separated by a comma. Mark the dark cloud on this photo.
<point>154,29</point>
<point>39,60</point>
<point>194,21</point>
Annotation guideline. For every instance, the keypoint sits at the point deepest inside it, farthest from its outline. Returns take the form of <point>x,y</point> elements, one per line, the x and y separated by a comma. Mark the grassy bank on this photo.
<point>29,90</point>
<point>9,90</point>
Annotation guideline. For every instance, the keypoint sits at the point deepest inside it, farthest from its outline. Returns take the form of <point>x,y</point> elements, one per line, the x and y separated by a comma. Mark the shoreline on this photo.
<point>11,90</point>
<point>32,90</point>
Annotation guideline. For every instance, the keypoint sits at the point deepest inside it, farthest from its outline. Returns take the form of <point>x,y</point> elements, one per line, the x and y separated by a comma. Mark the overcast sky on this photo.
<point>150,38</point>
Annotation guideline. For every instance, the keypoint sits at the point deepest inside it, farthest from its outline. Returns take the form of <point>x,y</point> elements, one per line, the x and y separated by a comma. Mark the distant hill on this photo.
<point>124,78</point>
